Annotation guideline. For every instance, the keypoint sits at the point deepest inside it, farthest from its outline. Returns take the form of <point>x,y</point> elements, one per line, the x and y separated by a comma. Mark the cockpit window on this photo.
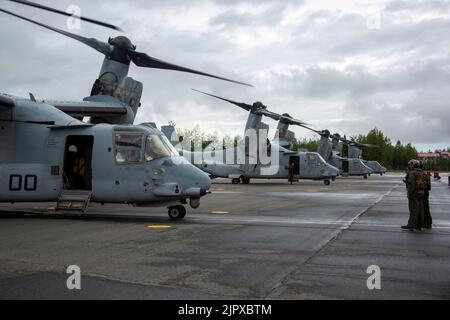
<point>321,159</point>
<point>128,147</point>
<point>158,146</point>
<point>170,146</point>
<point>315,159</point>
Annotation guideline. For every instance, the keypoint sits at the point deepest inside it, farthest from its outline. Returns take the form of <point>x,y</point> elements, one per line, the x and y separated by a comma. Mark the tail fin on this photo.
<point>171,134</point>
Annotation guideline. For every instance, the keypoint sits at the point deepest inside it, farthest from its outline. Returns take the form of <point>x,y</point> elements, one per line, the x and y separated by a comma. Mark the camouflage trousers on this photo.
<point>416,212</point>
<point>427,220</point>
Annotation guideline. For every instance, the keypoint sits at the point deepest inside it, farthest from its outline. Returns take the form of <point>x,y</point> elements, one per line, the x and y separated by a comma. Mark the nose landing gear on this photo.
<point>235,181</point>
<point>177,212</point>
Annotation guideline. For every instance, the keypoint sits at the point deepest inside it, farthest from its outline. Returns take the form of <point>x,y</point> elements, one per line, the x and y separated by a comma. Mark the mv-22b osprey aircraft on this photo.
<point>49,154</point>
<point>331,151</point>
<point>355,151</point>
<point>303,165</point>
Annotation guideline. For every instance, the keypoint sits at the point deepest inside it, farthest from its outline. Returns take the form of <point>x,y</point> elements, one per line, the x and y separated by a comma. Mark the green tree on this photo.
<point>389,155</point>
<point>198,140</point>
<point>383,153</point>
<point>308,144</point>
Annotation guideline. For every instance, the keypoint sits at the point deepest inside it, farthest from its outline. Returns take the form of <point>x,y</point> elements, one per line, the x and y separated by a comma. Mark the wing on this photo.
<point>6,103</point>
<point>90,108</point>
<point>71,126</point>
<point>290,152</point>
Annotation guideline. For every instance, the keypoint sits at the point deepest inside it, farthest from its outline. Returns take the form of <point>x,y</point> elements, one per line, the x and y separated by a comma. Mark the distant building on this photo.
<point>426,156</point>
<point>445,154</point>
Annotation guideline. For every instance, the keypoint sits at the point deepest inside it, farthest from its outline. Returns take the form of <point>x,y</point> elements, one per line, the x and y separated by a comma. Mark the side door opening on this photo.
<point>345,166</point>
<point>295,160</point>
<point>77,173</point>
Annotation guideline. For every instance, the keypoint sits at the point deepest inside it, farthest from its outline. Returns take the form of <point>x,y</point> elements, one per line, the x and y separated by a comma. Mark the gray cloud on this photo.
<point>317,63</point>
<point>418,5</point>
<point>271,16</point>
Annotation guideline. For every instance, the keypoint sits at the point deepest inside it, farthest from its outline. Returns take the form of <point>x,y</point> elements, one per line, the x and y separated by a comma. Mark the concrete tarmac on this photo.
<point>266,240</point>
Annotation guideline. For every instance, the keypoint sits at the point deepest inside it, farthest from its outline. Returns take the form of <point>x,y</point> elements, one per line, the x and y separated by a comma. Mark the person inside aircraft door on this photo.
<point>75,173</point>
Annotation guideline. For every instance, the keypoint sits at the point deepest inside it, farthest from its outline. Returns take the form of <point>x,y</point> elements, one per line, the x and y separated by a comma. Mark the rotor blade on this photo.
<point>270,114</point>
<point>40,6</point>
<point>297,122</point>
<point>303,125</point>
<point>143,60</point>
<point>244,106</point>
<point>265,112</point>
<point>91,42</point>
<point>358,144</point>
<point>288,119</point>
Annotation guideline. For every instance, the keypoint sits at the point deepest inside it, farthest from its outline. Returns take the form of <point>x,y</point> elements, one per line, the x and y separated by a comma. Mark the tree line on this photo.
<point>392,156</point>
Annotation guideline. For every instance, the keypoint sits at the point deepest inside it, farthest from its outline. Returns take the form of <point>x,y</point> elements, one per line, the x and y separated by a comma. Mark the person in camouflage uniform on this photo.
<point>291,172</point>
<point>427,220</point>
<point>416,183</point>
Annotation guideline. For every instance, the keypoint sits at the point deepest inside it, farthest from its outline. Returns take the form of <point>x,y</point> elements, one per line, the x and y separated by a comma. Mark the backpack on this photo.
<point>421,181</point>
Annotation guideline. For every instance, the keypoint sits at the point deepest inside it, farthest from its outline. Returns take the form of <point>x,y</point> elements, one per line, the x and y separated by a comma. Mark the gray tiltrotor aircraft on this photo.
<point>355,151</point>
<point>290,164</point>
<point>329,150</point>
<point>349,166</point>
<point>49,154</point>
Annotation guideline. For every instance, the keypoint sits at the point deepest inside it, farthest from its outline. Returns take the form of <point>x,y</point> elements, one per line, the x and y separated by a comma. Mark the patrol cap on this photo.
<point>413,163</point>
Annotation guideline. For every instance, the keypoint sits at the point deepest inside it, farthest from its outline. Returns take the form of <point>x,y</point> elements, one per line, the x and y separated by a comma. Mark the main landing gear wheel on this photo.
<point>365,176</point>
<point>235,181</point>
<point>333,178</point>
<point>245,180</point>
<point>177,212</point>
<point>326,182</point>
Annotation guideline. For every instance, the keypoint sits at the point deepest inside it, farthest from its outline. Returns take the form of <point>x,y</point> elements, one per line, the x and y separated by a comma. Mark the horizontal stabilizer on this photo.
<point>171,134</point>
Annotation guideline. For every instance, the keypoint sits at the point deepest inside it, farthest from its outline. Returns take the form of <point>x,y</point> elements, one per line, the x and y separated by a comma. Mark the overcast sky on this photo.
<point>348,66</point>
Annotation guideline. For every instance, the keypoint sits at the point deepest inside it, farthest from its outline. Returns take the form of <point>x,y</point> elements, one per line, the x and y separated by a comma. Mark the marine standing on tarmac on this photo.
<point>416,183</point>
<point>291,172</point>
<point>427,220</point>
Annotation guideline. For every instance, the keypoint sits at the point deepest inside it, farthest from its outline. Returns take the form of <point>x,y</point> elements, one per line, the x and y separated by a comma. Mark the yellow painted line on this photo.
<point>159,227</point>
<point>219,212</point>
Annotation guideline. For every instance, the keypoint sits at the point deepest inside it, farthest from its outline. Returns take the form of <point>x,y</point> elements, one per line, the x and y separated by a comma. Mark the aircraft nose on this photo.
<point>197,177</point>
<point>205,181</point>
<point>336,171</point>
<point>332,171</point>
